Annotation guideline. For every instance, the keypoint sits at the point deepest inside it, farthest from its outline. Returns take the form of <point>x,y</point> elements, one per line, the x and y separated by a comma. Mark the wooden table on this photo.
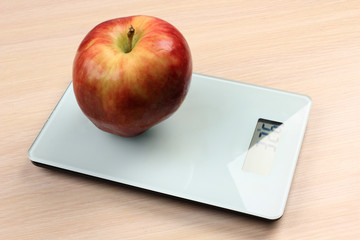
<point>309,47</point>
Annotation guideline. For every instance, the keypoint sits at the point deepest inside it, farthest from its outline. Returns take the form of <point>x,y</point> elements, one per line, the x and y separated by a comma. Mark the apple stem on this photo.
<point>130,37</point>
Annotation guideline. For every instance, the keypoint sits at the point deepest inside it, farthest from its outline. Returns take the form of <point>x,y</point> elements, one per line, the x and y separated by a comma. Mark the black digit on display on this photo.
<point>263,133</point>
<point>265,128</point>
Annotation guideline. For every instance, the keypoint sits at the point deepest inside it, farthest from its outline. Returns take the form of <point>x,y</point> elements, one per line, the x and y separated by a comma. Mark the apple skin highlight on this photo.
<point>126,88</point>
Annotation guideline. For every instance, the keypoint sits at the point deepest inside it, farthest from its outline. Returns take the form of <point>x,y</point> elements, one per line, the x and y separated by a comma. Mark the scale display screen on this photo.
<point>263,147</point>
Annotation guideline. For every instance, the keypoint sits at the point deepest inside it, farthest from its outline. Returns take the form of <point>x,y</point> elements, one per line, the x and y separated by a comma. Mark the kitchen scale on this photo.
<point>230,144</point>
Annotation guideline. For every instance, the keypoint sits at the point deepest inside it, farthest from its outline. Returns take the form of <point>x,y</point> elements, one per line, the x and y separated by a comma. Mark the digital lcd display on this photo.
<point>263,147</point>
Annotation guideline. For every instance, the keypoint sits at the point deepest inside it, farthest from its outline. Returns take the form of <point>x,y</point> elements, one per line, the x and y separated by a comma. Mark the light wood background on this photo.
<point>305,46</point>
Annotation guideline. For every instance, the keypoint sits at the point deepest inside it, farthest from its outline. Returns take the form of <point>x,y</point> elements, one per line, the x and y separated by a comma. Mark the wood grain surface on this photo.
<point>309,47</point>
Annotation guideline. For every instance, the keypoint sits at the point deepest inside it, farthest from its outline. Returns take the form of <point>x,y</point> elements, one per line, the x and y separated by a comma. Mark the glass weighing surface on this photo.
<point>230,144</point>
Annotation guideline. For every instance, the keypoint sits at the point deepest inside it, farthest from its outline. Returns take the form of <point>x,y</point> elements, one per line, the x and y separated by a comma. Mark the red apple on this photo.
<point>131,73</point>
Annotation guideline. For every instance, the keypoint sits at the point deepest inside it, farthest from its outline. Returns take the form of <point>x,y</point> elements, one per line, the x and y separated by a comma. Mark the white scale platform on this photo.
<point>200,153</point>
